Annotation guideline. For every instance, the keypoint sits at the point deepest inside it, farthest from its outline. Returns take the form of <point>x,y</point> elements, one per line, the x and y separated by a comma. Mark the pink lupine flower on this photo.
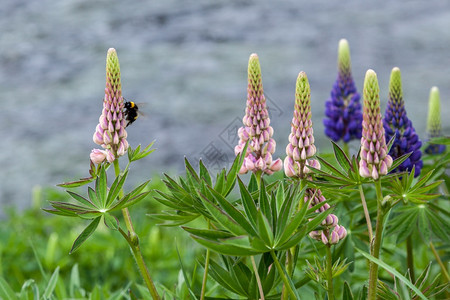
<point>301,140</point>
<point>110,133</point>
<point>257,129</point>
<point>333,232</point>
<point>98,156</point>
<point>375,160</point>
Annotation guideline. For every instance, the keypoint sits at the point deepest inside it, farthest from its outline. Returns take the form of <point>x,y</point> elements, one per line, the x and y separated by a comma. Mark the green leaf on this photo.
<point>81,199</point>
<point>224,248</point>
<point>60,212</point>
<point>186,278</point>
<point>115,188</point>
<point>265,230</point>
<point>233,213</point>
<point>71,208</point>
<point>390,143</point>
<point>208,233</point>
<point>248,203</point>
<point>264,205</point>
<point>341,157</point>
<point>424,226</point>
<point>220,182</point>
<point>399,161</point>
<point>111,221</point>
<point>137,154</point>
<point>74,282</point>
<point>293,224</point>
<point>223,218</point>
<point>347,293</point>
<point>87,232</point>
<point>51,284</point>
<point>225,279</point>
<point>78,183</point>
<point>93,197</point>
<point>29,284</point>
<point>393,271</point>
<point>5,290</point>
<point>204,174</point>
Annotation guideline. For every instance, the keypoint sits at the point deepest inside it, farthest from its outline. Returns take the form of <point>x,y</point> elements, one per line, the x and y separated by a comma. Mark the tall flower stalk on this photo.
<point>343,109</point>
<point>110,132</point>
<point>434,121</point>
<point>257,130</point>
<point>258,133</point>
<point>396,124</point>
<point>300,151</point>
<point>111,135</point>
<point>301,148</point>
<point>374,163</point>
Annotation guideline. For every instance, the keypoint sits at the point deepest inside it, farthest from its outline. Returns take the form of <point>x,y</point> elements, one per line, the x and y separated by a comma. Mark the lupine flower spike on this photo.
<point>434,121</point>
<point>343,109</point>
<point>375,161</point>
<point>300,150</point>
<point>110,133</point>
<point>333,232</point>
<point>301,140</point>
<point>257,129</point>
<point>396,123</point>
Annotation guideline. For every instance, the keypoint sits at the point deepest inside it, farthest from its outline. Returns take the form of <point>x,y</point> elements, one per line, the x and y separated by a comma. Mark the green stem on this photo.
<point>329,273</point>
<point>205,275</point>
<point>282,274</point>
<point>366,213</point>
<point>410,258</point>
<point>376,243</point>
<point>439,261</point>
<point>133,241</point>
<point>258,280</point>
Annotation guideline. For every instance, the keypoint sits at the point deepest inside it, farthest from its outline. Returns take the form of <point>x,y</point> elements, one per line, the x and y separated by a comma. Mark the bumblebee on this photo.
<point>131,112</point>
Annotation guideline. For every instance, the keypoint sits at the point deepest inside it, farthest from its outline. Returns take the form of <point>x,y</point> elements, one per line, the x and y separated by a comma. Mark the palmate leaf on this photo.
<point>137,154</point>
<point>225,220</point>
<point>225,279</point>
<point>394,272</point>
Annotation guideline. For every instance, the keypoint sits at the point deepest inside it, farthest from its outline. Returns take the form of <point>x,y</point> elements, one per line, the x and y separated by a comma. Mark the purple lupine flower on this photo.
<point>333,232</point>
<point>434,121</point>
<point>257,127</point>
<point>301,139</point>
<point>396,123</point>
<point>110,133</point>
<point>343,109</point>
<point>375,160</point>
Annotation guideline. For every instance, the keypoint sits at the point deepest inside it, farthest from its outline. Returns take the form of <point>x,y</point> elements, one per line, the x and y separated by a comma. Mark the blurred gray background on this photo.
<point>187,60</point>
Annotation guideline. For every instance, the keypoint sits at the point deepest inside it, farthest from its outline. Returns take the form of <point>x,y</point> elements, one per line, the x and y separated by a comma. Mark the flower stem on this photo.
<point>205,275</point>
<point>441,264</point>
<point>410,258</point>
<point>282,274</point>
<point>258,280</point>
<point>366,213</point>
<point>329,273</point>
<point>133,241</point>
<point>376,243</point>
